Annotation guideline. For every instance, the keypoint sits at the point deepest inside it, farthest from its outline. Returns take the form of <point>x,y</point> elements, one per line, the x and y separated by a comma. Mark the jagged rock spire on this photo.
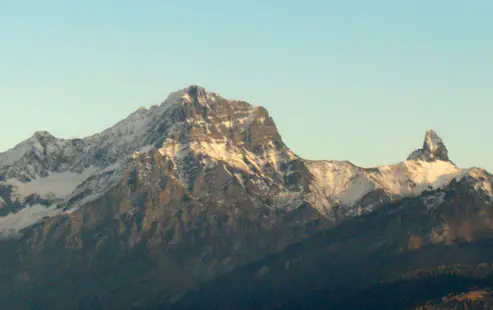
<point>433,149</point>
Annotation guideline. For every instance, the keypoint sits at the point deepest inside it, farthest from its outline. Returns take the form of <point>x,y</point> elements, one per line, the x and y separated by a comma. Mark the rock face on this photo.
<point>433,149</point>
<point>202,188</point>
<point>429,247</point>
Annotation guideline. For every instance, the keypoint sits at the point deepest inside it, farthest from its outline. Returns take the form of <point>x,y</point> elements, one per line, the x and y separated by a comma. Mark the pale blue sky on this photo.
<point>356,80</point>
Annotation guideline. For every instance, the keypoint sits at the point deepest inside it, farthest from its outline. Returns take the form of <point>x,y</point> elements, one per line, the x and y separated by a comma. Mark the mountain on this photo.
<point>199,197</point>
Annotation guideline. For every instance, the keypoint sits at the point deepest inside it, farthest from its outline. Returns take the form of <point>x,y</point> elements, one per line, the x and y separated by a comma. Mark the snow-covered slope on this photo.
<point>412,177</point>
<point>341,180</point>
<point>198,131</point>
<point>52,169</point>
<point>49,166</point>
<point>426,169</point>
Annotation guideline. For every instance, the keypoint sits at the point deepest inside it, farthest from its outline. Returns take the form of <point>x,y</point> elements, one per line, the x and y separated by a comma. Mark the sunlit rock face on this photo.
<point>433,149</point>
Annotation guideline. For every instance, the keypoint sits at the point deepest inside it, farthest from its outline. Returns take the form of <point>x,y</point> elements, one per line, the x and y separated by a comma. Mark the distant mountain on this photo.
<point>197,203</point>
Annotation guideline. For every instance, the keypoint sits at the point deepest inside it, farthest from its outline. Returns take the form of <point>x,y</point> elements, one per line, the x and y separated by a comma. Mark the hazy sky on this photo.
<point>356,80</point>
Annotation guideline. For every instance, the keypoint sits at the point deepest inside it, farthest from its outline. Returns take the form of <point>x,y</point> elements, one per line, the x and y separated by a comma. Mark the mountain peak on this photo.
<point>433,148</point>
<point>198,94</point>
<point>43,134</point>
<point>192,93</point>
<point>195,89</point>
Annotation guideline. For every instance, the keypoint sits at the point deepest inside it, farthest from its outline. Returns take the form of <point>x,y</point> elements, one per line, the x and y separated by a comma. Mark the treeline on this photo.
<point>423,292</point>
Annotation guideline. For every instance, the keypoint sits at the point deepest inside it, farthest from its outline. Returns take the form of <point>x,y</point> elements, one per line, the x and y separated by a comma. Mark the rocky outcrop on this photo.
<point>433,149</point>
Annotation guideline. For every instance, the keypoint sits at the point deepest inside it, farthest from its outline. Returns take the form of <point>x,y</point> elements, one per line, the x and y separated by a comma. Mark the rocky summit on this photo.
<point>197,203</point>
<point>433,148</point>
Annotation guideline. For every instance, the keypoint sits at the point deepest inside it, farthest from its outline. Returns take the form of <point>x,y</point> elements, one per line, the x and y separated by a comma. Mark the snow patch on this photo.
<point>98,184</point>
<point>221,151</point>
<point>341,180</point>
<point>175,150</point>
<point>11,224</point>
<point>411,178</point>
<point>347,183</point>
<point>60,185</point>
